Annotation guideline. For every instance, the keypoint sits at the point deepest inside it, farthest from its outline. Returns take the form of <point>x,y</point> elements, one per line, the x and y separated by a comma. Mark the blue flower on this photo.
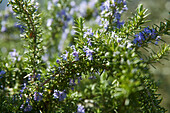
<point>89,41</point>
<point>79,78</point>
<point>64,56</point>
<point>145,34</point>
<point>3,28</point>
<point>14,53</point>
<point>76,55</point>
<point>37,96</point>
<point>92,3</point>
<point>157,39</point>
<point>28,108</point>
<point>153,34</point>
<point>88,33</point>
<point>117,16</point>
<point>49,5</point>
<point>110,8</point>
<point>119,24</point>
<point>27,100</point>
<point>22,106</point>
<point>129,45</point>
<point>63,38</point>
<point>58,61</point>
<point>92,77</point>
<point>88,53</point>
<point>61,95</point>
<point>72,82</point>
<point>119,40</point>
<point>38,76</point>
<point>1,86</point>
<point>156,42</point>
<point>106,6</point>
<point>72,3</point>
<point>22,90</point>
<point>49,22</point>
<point>82,8</point>
<point>55,1</point>
<point>80,109</point>
<point>21,27</point>
<point>147,31</point>
<point>139,38</point>
<point>2,72</point>
<point>63,12</point>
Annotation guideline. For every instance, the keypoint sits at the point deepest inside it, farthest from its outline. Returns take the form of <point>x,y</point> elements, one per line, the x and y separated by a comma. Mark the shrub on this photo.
<point>103,69</point>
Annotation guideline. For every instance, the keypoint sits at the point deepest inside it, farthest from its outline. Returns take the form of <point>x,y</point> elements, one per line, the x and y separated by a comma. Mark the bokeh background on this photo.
<point>159,9</point>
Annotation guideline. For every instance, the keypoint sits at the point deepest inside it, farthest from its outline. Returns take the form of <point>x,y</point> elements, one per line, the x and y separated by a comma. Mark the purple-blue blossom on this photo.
<point>144,35</point>
<point>89,41</point>
<point>79,79</point>
<point>72,82</point>
<point>149,32</point>
<point>28,108</point>
<point>119,40</point>
<point>82,8</point>
<point>88,53</point>
<point>72,3</point>
<point>2,72</point>
<point>19,26</point>
<point>22,106</point>
<point>49,22</point>
<point>119,24</point>
<point>27,100</point>
<point>58,61</point>
<point>55,1</point>
<point>129,45</point>
<point>14,53</point>
<point>49,5</point>
<point>3,28</point>
<point>63,38</point>
<point>92,77</point>
<point>106,6</point>
<point>110,8</point>
<point>66,17</point>
<point>64,56</point>
<point>38,76</point>
<point>61,95</point>
<point>89,32</point>
<point>38,96</point>
<point>23,88</point>
<point>117,16</point>
<point>139,38</point>
<point>76,55</point>
<point>80,109</point>
<point>92,3</point>
<point>157,39</point>
<point>153,34</point>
